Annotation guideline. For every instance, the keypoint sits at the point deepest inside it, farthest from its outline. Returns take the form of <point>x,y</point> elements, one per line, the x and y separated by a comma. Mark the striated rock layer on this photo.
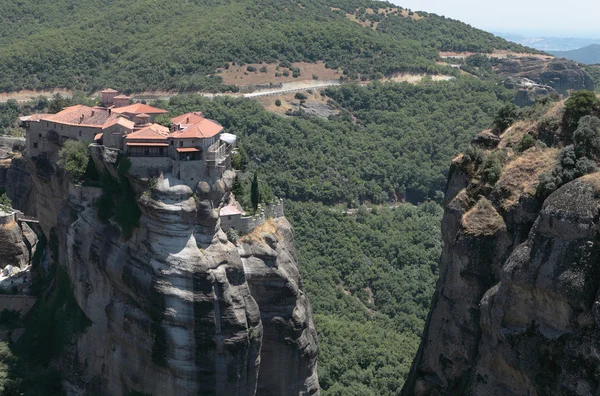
<point>516,310</point>
<point>178,309</point>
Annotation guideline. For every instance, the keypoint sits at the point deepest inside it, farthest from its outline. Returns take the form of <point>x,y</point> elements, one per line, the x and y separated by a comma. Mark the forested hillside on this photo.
<point>151,44</point>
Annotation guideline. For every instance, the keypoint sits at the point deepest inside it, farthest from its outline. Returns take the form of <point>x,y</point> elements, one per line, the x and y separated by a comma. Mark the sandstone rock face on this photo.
<point>528,91</point>
<point>516,307</point>
<point>18,186</point>
<point>289,351</point>
<point>178,309</point>
<point>13,249</point>
<point>560,74</point>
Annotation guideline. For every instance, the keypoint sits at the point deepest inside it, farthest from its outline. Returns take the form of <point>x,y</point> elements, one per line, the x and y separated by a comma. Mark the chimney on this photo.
<point>93,112</point>
<point>109,112</point>
<point>187,120</point>
<point>81,118</point>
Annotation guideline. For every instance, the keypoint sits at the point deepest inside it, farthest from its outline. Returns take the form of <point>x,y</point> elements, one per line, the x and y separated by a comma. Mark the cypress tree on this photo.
<point>254,193</point>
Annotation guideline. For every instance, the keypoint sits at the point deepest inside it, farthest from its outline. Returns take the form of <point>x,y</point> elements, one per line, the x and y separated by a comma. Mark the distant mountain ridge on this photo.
<point>549,44</point>
<point>589,55</point>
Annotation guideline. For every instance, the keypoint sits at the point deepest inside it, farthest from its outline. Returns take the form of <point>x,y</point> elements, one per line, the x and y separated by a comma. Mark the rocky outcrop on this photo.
<point>528,91</point>
<point>18,186</point>
<point>13,247</point>
<point>560,74</point>
<point>178,309</point>
<point>515,310</point>
<point>289,351</point>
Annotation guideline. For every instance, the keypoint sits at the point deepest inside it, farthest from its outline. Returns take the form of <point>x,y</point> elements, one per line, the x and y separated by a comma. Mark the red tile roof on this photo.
<point>187,150</point>
<point>147,144</point>
<point>121,97</point>
<point>202,130</point>
<point>188,118</point>
<point>230,210</point>
<point>98,136</point>
<point>92,117</point>
<point>121,121</point>
<point>139,108</point>
<point>153,131</point>
<point>109,90</point>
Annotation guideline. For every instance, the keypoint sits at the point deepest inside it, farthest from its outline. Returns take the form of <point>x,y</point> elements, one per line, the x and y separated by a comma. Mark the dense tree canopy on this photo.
<point>148,44</point>
<point>390,141</point>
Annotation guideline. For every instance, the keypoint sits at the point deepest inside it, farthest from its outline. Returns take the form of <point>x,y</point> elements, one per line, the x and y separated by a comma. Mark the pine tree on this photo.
<point>237,189</point>
<point>254,192</point>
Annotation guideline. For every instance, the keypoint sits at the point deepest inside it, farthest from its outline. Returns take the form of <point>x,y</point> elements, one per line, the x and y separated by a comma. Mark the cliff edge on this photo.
<point>515,311</point>
<point>172,306</point>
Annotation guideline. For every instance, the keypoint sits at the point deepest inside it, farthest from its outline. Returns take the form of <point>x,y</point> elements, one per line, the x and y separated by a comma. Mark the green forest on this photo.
<point>391,141</point>
<point>178,45</point>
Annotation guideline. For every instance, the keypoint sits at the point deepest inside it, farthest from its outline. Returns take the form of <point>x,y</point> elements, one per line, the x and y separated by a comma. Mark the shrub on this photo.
<point>251,68</point>
<point>570,166</point>
<point>232,235</point>
<point>587,137</point>
<point>5,201</point>
<point>264,69</point>
<point>315,77</point>
<point>300,96</point>
<point>526,143</point>
<point>578,105</point>
<point>74,158</point>
<point>505,117</point>
<point>278,102</point>
<point>492,166</point>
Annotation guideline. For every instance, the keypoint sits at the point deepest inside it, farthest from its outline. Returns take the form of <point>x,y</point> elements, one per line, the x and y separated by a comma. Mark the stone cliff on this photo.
<point>560,74</point>
<point>516,309</point>
<point>177,308</point>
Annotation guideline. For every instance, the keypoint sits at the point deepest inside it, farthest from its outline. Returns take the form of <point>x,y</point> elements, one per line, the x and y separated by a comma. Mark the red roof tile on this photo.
<point>98,136</point>
<point>147,144</point>
<point>121,97</point>
<point>230,210</point>
<point>153,131</point>
<point>109,90</point>
<point>121,121</point>
<point>202,130</point>
<point>187,150</point>
<point>92,117</point>
<point>139,108</point>
<point>188,118</point>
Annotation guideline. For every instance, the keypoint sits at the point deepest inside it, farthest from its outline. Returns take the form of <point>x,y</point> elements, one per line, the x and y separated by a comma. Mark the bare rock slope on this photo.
<point>516,310</point>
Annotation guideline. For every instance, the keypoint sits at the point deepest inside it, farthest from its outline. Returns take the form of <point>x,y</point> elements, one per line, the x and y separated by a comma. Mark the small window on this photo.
<point>79,133</point>
<point>40,135</point>
<point>47,124</point>
<point>34,145</point>
<point>180,144</point>
<point>55,125</point>
<point>171,142</point>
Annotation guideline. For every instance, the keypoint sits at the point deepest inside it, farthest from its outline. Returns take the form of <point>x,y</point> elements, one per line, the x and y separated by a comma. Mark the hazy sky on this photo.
<point>559,18</point>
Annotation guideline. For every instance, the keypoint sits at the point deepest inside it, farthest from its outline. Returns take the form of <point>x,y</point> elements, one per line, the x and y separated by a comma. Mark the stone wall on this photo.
<point>144,167</point>
<point>245,224</point>
<point>47,136</point>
